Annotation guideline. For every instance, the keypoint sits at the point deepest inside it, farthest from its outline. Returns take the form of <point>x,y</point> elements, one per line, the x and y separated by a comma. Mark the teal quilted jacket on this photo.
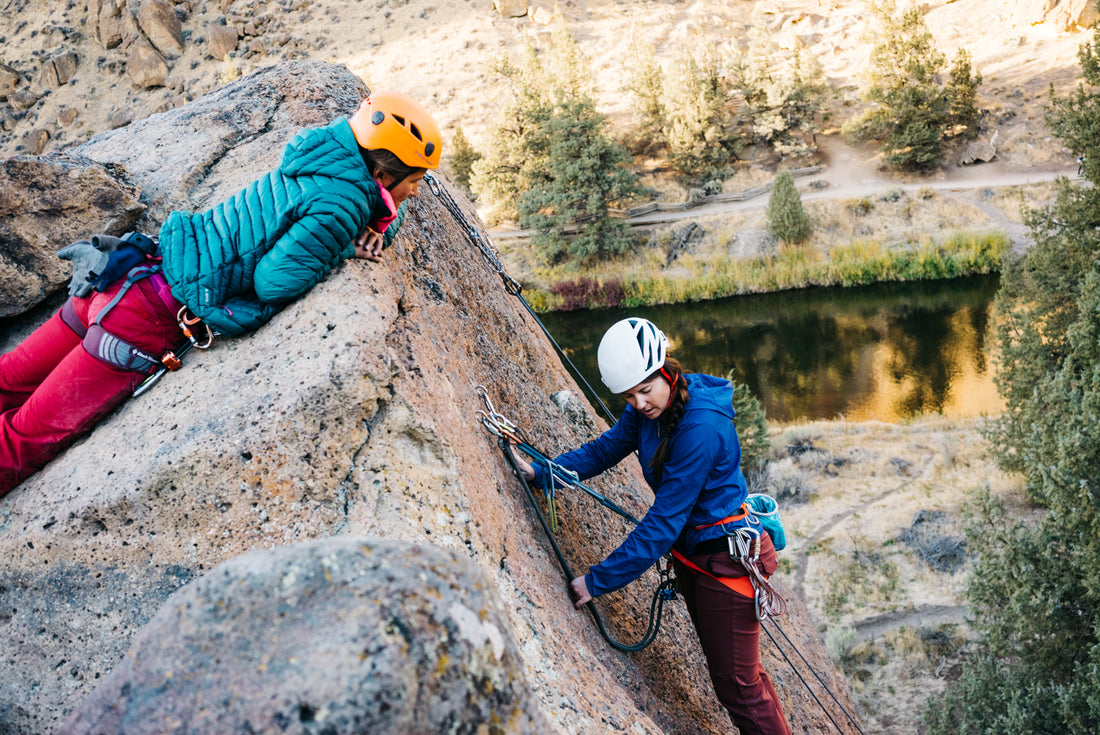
<point>239,263</point>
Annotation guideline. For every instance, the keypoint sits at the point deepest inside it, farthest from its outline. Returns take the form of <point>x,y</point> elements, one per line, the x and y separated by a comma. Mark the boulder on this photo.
<point>978,151</point>
<point>9,80</point>
<point>146,67</point>
<point>221,40</point>
<point>58,70</point>
<point>110,22</point>
<point>511,8</point>
<point>352,413</point>
<point>157,19</point>
<point>22,99</point>
<point>46,203</point>
<point>341,635</point>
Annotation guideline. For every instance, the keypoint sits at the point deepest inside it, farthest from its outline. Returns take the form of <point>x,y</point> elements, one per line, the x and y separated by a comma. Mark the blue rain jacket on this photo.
<point>237,264</point>
<point>702,481</point>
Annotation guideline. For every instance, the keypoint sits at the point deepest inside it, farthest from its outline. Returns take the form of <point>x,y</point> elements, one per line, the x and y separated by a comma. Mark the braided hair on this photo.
<point>670,418</point>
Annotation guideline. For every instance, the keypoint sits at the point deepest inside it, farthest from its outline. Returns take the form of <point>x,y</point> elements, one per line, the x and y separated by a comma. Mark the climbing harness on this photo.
<point>508,435</point>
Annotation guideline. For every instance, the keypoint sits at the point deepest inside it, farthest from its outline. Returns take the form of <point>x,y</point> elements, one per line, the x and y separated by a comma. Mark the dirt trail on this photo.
<point>852,173</point>
<point>799,561</point>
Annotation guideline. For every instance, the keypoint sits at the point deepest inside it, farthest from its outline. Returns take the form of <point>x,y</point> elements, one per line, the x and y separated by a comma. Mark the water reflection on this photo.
<point>883,352</point>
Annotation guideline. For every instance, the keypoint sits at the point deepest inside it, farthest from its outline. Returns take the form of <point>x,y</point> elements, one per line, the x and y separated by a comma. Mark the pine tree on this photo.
<point>585,174</point>
<point>787,219</point>
<point>646,84</point>
<point>911,111</point>
<point>463,157</point>
<point>962,91</point>
<point>1035,591</point>
<point>701,126</point>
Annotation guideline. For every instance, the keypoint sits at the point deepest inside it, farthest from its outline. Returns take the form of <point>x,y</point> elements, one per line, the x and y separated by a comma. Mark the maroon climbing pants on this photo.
<point>52,390</point>
<point>730,636</point>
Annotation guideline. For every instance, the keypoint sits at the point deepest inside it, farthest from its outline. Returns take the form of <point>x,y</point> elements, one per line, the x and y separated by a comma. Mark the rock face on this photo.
<point>46,203</point>
<point>352,413</point>
<point>337,635</point>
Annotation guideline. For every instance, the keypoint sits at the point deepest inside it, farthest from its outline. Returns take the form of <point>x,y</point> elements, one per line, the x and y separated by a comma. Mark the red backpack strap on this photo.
<point>740,585</point>
<point>743,512</point>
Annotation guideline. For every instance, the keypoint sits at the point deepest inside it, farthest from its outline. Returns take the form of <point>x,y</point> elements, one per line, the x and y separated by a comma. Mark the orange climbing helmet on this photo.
<point>399,124</point>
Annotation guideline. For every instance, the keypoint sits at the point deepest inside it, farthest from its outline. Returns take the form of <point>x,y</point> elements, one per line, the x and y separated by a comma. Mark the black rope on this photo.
<point>816,676</point>
<point>660,595</point>
<point>511,285</point>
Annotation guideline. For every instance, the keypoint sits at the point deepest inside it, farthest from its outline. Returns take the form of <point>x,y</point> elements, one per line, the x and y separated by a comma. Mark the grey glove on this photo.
<point>89,261</point>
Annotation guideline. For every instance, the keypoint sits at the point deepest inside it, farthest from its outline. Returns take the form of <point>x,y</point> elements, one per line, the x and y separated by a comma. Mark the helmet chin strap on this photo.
<point>671,385</point>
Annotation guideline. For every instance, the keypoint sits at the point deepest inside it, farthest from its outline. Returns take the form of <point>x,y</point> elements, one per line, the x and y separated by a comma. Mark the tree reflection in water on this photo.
<point>884,352</point>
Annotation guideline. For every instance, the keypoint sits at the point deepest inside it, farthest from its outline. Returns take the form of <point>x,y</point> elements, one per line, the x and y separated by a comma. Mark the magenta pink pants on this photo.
<point>52,390</point>
<point>730,637</point>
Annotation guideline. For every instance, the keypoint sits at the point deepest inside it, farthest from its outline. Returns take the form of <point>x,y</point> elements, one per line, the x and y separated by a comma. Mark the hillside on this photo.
<point>73,70</point>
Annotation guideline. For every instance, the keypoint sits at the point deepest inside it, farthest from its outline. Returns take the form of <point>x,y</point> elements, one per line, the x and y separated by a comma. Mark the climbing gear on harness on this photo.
<point>764,509</point>
<point>172,360</point>
<point>631,350</point>
<point>743,544</point>
<point>399,124</point>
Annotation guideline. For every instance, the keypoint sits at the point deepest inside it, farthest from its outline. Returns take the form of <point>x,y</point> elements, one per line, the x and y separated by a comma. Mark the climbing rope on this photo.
<point>816,676</point>
<point>508,435</point>
<point>511,285</point>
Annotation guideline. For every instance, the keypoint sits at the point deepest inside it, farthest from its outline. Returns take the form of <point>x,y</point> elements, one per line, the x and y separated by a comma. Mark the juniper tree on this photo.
<point>646,85</point>
<point>700,125</point>
<point>1035,590</point>
<point>911,109</point>
<point>786,217</point>
<point>962,94</point>
<point>552,162</point>
<point>463,157</point>
<point>586,172</point>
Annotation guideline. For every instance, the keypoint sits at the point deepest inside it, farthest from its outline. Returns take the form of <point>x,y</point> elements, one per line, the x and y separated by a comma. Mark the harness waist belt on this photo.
<point>743,513</point>
<point>117,352</point>
<point>740,585</point>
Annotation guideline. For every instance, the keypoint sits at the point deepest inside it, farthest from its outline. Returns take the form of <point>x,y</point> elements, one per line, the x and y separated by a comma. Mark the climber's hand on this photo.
<point>368,246</point>
<point>579,591</point>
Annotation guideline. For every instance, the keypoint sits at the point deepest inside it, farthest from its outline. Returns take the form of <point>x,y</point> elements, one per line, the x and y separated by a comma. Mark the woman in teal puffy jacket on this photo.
<point>339,192</point>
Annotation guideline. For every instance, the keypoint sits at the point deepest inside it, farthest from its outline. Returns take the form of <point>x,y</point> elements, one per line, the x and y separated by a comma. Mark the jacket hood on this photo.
<point>330,151</point>
<point>709,392</point>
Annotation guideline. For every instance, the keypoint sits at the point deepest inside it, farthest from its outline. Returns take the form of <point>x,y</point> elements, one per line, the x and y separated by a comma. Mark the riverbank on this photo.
<point>897,235</point>
<point>874,514</point>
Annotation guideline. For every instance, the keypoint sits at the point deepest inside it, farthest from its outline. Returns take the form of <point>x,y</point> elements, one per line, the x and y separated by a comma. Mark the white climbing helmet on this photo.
<point>630,351</point>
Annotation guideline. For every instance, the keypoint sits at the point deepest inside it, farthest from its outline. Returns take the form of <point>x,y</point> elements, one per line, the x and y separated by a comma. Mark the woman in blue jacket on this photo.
<point>339,192</point>
<point>681,426</point>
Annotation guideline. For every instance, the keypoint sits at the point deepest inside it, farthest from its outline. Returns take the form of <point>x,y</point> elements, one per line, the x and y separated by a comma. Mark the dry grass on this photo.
<point>894,624</point>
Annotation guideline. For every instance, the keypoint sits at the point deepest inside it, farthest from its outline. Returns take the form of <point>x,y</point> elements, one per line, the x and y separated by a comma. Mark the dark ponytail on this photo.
<point>669,420</point>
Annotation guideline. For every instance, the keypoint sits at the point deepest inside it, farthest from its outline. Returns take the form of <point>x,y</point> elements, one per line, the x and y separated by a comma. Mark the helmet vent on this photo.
<point>400,120</point>
<point>415,131</point>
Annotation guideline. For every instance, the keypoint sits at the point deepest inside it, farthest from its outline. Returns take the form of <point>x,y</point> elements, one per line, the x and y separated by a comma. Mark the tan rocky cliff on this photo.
<point>351,414</point>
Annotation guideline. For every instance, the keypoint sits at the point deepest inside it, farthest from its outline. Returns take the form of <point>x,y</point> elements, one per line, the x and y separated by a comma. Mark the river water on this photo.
<point>886,352</point>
